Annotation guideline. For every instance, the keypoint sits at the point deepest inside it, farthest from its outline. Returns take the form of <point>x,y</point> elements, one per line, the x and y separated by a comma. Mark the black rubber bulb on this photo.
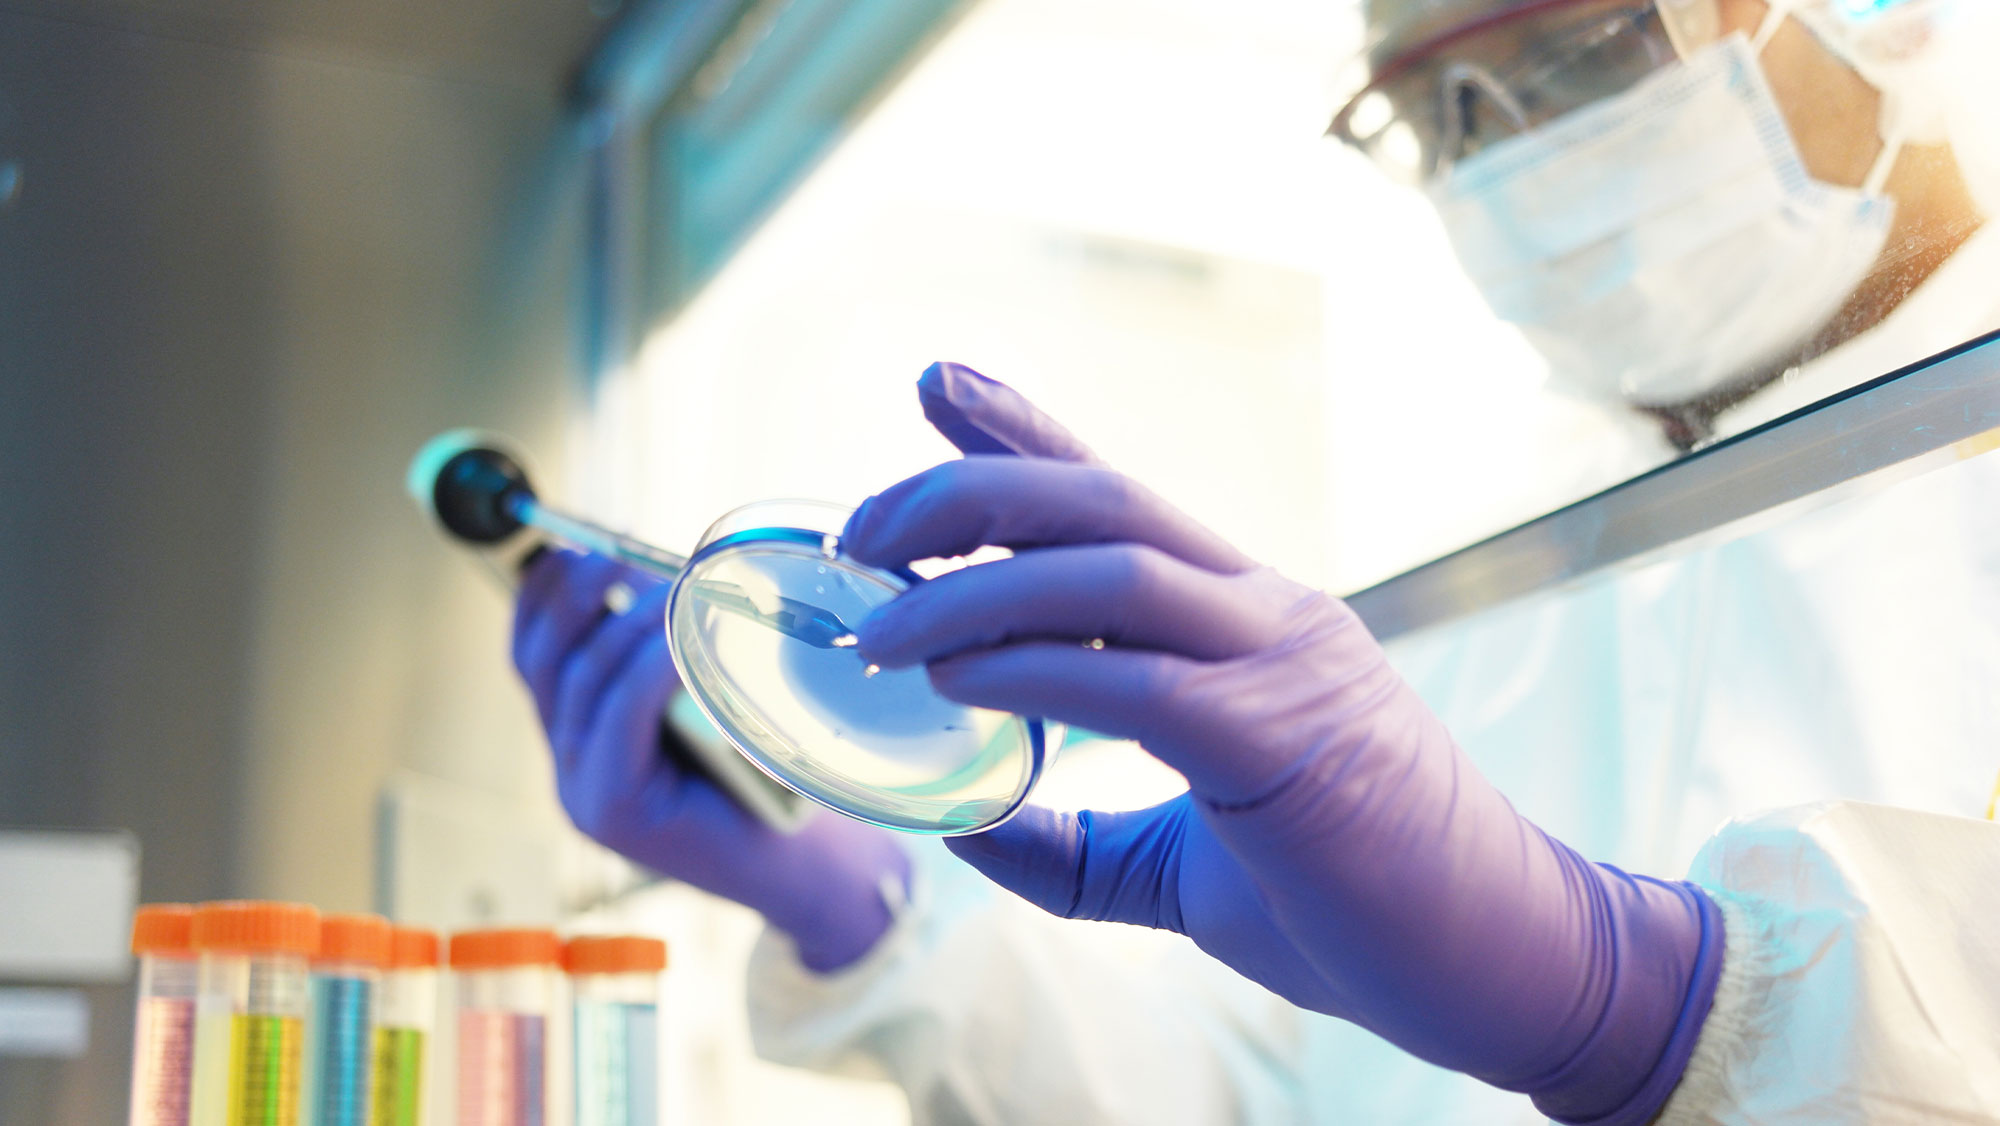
<point>475,492</point>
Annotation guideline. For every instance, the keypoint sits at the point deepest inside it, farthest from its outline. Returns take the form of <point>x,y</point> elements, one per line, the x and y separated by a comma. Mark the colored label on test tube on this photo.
<point>505,983</point>
<point>615,981</point>
<point>399,1071</point>
<point>162,1061</point>
<point>502,1068</point>
<point>264,1063</point>
<point>250,1011</point>
<point>340,1062</point>
<point>404,1012</point>
<point>163,1029</point>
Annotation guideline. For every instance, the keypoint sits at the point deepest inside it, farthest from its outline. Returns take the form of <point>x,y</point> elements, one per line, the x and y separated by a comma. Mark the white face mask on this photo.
<point>1660,243</point>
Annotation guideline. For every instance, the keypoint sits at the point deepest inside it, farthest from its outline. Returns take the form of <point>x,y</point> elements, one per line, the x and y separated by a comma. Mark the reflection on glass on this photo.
<point>1849,651</point>
<point>1707,213</point>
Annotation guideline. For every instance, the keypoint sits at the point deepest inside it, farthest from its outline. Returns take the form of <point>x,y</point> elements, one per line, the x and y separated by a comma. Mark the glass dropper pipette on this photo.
<point>801,621</point>
<point>482,495</point>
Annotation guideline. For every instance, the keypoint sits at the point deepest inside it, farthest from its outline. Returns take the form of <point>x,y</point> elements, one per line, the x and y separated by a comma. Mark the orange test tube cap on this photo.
<point>614,954</point>
<point>163,929</point>
<point>354,938</point>
<point>505,949</point>
<point>412,948</point>
<point>245,926</point>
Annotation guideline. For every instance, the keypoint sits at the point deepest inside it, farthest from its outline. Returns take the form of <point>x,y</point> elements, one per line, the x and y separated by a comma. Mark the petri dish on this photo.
<point>759,628</point>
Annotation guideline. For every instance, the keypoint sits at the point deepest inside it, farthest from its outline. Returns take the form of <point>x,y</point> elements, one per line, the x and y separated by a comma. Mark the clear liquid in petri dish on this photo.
<point>879,744</point>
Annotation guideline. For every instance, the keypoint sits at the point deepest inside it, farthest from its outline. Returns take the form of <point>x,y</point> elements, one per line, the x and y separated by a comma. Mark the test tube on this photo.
<point>505,982</point>
<point>615,981</point>
<point>250,1011</point>
<point>163,1030</point>
<point>405,1008</point>
<point>339,1038</point>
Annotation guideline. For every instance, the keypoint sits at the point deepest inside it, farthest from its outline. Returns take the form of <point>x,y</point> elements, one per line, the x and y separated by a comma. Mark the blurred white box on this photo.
<point>451,856</point>
<point>44,1023</point>
<point>66,902</point>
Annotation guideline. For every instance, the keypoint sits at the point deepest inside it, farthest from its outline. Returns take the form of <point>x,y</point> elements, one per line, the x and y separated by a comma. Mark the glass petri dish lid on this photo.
<point>759,624</point>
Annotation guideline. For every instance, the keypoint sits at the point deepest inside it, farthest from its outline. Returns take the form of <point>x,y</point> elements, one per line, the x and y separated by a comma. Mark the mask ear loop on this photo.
<point>1892,147</point>
<point>1775,12</point>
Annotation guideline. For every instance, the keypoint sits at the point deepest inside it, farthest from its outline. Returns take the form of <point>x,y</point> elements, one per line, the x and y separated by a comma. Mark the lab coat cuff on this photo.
<point>1861,979</point>
<point>1703,1090</point>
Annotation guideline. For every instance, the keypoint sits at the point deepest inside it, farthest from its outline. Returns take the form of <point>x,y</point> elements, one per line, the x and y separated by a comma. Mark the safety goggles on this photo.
<point>1448,96</point>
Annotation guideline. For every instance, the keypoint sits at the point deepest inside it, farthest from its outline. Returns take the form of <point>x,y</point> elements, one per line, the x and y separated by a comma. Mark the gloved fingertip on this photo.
<point>601,568</point>
<point>851,530</point>
<point>946,379</point>
<point>954,397</point>
<point>854,539</point>
<point>1033,854</point>
<point>877,638</point>
<point>533,560</point>
<point>998,848</point>
<point>974,848</point>
<point>547,561</point>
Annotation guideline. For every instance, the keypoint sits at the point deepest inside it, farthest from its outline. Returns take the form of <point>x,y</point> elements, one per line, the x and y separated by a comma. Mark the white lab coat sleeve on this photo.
<point>1861,973</point>
<point>986,1010</point>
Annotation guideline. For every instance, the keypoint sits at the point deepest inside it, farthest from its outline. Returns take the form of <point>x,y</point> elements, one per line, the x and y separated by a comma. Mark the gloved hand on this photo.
<point>600,681</point>
<point>1335,845</point>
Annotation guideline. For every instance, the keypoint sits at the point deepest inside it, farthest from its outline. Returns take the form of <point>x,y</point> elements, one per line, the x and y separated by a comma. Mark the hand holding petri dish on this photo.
<point>758,624</point>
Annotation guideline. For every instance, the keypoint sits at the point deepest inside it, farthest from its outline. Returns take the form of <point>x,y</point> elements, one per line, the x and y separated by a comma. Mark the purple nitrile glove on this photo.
<point>1335,844</point>
<point>600,681</point>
